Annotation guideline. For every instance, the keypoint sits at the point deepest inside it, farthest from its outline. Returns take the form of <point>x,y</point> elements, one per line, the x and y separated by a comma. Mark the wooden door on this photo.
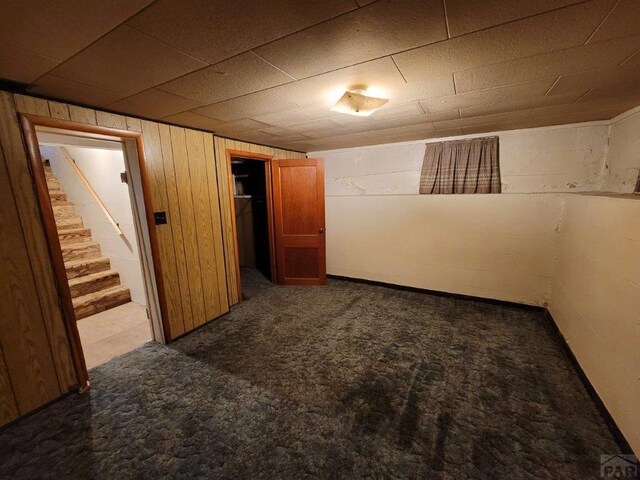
<point>298,201</point>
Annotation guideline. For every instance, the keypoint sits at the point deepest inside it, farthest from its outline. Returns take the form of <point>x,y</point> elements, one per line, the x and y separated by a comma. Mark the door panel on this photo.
<point>298,199</point>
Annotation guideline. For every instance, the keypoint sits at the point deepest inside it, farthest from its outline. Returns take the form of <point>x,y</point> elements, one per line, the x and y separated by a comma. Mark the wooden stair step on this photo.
<point>93,282</point>
<point>64,211</point>
<point>74,235</point>
<point>86,266</point>
<point>97,302</point>
<point>53,184</point>
<point>57,195</point>
<point>75,251</point>
<point>69,222</point>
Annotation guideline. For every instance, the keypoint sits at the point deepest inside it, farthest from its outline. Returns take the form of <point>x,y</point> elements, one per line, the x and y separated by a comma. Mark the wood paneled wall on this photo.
<point>224,175</point>
<point>188,172</point>
<point>35,360</point>
<point>188,176</point>
<point>180,165</point>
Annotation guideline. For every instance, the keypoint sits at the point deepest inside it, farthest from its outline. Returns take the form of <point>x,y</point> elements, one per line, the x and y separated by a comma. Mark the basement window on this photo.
<point>462,166</point>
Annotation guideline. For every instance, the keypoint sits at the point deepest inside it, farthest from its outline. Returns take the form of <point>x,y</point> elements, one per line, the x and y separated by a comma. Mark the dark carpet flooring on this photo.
<point>344,381</point>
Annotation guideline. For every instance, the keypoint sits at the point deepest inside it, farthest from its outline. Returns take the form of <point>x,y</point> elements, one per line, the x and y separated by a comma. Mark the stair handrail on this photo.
<point>93,193</point>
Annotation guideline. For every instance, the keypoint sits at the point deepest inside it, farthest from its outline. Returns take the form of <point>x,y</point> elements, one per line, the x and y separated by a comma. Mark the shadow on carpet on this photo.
<point>342,381</point>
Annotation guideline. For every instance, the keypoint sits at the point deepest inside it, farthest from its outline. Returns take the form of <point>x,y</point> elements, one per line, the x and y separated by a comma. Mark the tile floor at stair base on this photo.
<point>113,332</point>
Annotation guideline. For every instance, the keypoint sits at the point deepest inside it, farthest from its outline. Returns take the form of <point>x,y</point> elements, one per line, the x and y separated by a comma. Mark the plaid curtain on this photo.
<point>464,166</point>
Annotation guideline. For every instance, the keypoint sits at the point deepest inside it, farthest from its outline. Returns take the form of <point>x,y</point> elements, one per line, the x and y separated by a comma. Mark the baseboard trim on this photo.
<point>617,434</point>
<point>619,437</point>
<point>438,293</point>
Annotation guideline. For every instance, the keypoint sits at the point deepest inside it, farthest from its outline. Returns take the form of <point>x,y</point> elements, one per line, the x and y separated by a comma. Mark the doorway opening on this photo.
<point>252,215</point>
<point>92,188</point>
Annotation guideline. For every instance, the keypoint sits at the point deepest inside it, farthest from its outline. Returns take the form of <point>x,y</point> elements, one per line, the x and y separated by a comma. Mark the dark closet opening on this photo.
<point>252,219</point>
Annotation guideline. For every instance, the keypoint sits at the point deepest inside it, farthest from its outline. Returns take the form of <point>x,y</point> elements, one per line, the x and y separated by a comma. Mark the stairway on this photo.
<point>94,286</point>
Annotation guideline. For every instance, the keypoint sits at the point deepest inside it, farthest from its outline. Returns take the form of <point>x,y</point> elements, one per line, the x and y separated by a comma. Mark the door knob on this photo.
<point>321,229</point>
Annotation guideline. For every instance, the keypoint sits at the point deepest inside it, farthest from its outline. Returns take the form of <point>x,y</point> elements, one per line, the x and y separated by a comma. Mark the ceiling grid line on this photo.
<point>466,67</point>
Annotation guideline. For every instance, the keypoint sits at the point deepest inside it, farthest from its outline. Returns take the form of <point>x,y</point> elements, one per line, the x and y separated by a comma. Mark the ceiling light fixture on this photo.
<point>355,101</point>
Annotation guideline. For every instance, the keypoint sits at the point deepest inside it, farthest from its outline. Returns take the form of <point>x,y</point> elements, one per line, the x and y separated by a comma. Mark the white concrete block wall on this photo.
<point>579,253</point>
<point>623,157</point>
<point>566,158</point>
<point>102,168</point>
<point>493,246</point>
<point>595,299</point>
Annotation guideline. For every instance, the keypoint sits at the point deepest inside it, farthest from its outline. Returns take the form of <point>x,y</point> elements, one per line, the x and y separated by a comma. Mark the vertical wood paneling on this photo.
<point>188,175</point>
<point>8,406</point>
<point>176,226</point>
<point>82,115</point>
<point>134,124</point>
<point>224,191</point>
<point>203,218</point>
<point>23,334</point>
<point>216,220</point>
<point>59,110</point>
<point>111,120</point>
<point>36,243</point>
<point>224,172</point>
<point>32,105</point>
<point>155,171</point>
<point>188,222</point>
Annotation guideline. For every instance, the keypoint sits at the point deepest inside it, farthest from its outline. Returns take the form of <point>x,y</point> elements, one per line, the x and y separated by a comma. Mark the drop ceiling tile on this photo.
<point>295,116</point>
<point>370,32</point>
<point>520,104</point>
<point>128,62</point>
<point>483,119</point>
<point>246,73</point>
<point>421,118</point>
<point>240,126</point>
<point>399,122</point>
<point>22,65</point>
<point>308,128</point>
<point>593,110</point>
<point>153,103</point>
<point>613,95</point>
<point>388,134</point>
<point>623,78</point>
<point>431,87</point>
<point>60,29</point>
<point>252,105</point>
<point>285,134</point>
<point>498,127</point>
<point>326,89</point>
<point>64,89</point>
<point>279,131</point>
<point>395,111</point>
<point>257,136</point>
<point>605,113</point>
<point>527,37</point>
<point>214,31</point>
<point>588,57</point>
<point>342,141</point>
<point>623,20</point>
<point>193,120</point>
<point>465,17</point>
<point>490,96</point>
<point>386,113</point>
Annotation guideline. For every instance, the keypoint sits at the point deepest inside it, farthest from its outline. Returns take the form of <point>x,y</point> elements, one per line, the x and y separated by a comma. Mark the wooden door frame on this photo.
<point>263,157</point>
<point>29,123</point>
